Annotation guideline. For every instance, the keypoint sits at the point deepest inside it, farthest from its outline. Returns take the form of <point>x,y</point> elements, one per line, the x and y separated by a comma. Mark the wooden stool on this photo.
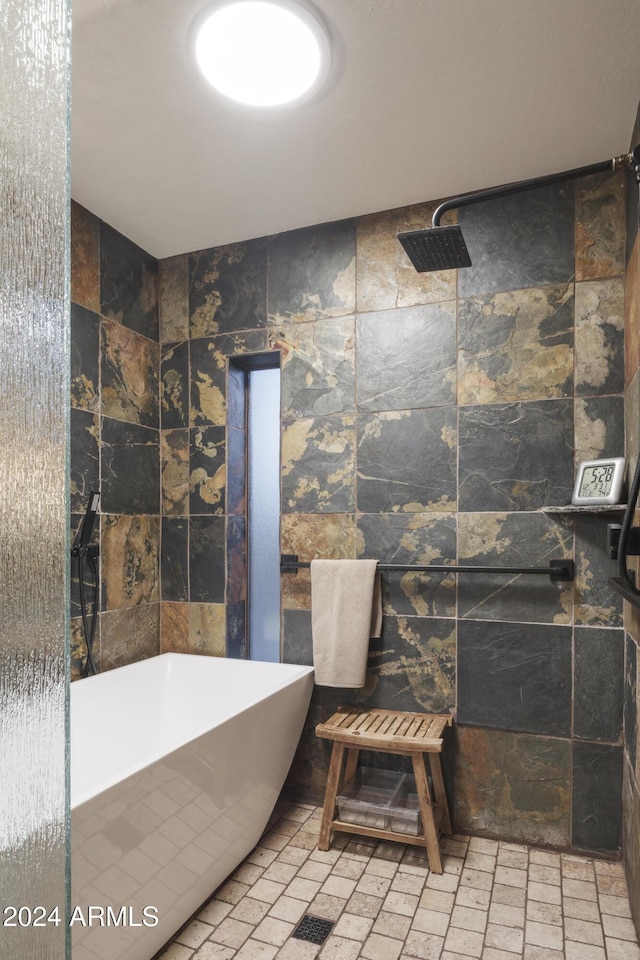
<point>389,731</point>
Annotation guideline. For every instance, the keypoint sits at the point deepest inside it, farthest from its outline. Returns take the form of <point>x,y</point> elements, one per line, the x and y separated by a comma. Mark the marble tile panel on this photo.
<point>407,461</point>
<point>128,275</point>
<point>174,448</point>
<point>513,785</point>
<point>129,385</point>
<point>236,559</point>
<point>597,790</point>
<point>84,458</point>
<point>406,358</point>
<point>412,666</point>
<point>312,273</point>
<point>129,635</point>
<point>297,644</point>
<point>598,665</point>
<point>237,630</point>
<point>174,559</point>
<point>515,456</point>
<point>85,365</point>
<point>236,472</point>
<point>599,337</point>
<point>208,389</point>
<point>522,240</point>
<point>632,311</point>
<point>599,428</point>
<point>319,465</point>
<point>228,288</point>
<point>130,561</point>
<point>174,386</point>
<point>85,258</point>
<point>415,538</point>
<point>630,698</point>
<point>173,298</point>
<point>516,345</point>
<point>175,627</point>
<point>595,602</point>
<point>318,366</point>
<point>130,468</point>
<point>207,629</point>
<point>386,278</point>
<point>322,536</point>
<point>513,540</point>
<point>600,226</point>
<point>207,470</point>
<point>206,559</point>
<point>515,676</point>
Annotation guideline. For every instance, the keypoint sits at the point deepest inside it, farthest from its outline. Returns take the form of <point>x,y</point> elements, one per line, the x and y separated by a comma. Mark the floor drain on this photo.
<point>313,929</point>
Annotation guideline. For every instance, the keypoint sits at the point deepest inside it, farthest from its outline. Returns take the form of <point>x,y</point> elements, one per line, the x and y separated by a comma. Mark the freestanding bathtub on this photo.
<point>176,764</point>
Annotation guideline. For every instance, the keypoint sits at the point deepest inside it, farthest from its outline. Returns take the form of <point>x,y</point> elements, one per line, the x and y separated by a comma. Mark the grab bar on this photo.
<point>557,571</point>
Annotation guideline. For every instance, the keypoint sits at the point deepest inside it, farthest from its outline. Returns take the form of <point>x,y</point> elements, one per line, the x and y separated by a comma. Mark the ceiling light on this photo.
<point>261,53</point>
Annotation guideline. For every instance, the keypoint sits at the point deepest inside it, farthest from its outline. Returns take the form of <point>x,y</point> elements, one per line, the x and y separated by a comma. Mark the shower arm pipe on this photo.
<point>494,193</point>
<point>558,570</point>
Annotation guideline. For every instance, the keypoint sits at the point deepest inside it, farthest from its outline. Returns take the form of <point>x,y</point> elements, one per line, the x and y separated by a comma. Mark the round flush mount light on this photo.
<point>264,53</point>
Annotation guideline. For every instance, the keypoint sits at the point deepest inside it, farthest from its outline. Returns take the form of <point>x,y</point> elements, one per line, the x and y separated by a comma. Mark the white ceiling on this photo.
<point>427,98</point>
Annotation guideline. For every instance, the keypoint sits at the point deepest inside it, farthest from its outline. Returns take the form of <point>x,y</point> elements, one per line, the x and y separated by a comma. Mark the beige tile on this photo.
<point>583,951</point>
<point>294,855</point>
<point>338,886</point>
<point>515,896</point>
<point>387,850</point>
<point>466,942</point>
<point>313,870</point>
<point>381,948</point>
<point>268,890</point>
<point>306,840</point>
<point>545,912</point>
<point>510,877</point>
<point>545,858</point>
<point>454,848</point>
<point>504,938</point>
<point>492,953</point>
<point>210,951</point>
<point>326,906</point>
<point>544,892</point>
<point>480,861</point>
<point>337,948</point>
<point>364,905</point>
<point>298,950</point>
<point>513,858</point>
<point>232,891</point>
<point>580,909</point>
<point>274,931</point>
<point>275,841</point>
<point>248,873</point>
<point>250,910</point>
<point>262,857</point>
<point>327,856</point>
<point>468,918</point>
<point>407,883</point>
<point>402,903</point>
<point>531,952</point>
<point>579,889</point>
<point>352,869</point>
<point>475,878</point>
<point>426,946</point>
<point>394,925</point>
<point>483,845</point>
<point>195,934</point>
<point>621,949</point>
<point>620,928</point>
<point>614,906</point>
<point>431,921</point>
<point>256,950</point>
<point>372,885</point>
<point>232,933</point>
<point>584,931</point>
<point>540,873</point>
<point>300,812</point>
<point>506,915</point>
<point>177,952</point>
<point>543,935</point>
<point>577,870</point>
<point>612,886</point>
<point>471,897</point>
<point>287,908</point>
<point>353,927</point>
<point>381,868</point>
<point>438,900</point>
<point>607,868</point>
<point>215,911</point>
<point>299,889</point>
<point>282,872</point>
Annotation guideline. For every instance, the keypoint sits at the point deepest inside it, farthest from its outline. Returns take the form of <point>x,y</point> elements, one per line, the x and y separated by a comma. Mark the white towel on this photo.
<point>346,610</point>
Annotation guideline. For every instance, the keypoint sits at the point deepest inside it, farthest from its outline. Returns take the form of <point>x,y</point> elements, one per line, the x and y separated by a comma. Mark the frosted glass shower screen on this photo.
<point>34,399</point>
<point>263,515</point>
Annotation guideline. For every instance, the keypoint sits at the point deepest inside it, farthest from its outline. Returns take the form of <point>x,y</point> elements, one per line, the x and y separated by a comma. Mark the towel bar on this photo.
<point>557,571</point>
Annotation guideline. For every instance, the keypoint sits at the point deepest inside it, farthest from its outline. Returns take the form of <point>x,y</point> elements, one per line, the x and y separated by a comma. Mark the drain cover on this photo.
<point>313,929</point>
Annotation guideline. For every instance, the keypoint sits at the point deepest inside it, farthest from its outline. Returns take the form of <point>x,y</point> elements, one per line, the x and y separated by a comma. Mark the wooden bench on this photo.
<point>409,734</point>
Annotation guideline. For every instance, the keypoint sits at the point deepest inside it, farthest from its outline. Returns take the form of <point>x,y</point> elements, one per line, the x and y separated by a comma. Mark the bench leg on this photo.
<point>331,791</point>
<point>426,811</point>
<point>351,764</point>
<point>439,791</point>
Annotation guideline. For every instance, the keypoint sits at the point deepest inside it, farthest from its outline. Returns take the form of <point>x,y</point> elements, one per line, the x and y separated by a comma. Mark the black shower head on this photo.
<point>439,248</point>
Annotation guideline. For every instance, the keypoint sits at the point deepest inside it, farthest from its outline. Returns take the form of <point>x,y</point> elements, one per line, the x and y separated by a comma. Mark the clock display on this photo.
<point>599,482</point>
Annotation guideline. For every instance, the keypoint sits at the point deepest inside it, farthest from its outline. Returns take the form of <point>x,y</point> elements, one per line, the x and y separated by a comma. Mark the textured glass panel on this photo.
<point>263,442</point>
<point>34,401</point>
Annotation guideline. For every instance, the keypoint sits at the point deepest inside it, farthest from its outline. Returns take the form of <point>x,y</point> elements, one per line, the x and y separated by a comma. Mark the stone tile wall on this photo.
<point>115,440</point>
<point>425,418</point>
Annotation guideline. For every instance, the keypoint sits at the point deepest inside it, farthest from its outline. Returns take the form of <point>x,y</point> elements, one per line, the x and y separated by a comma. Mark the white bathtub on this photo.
<point>176,764</point>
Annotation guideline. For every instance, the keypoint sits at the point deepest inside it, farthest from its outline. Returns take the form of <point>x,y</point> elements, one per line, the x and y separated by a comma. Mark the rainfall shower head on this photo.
<point>440,248</point>
<point>443,248</point>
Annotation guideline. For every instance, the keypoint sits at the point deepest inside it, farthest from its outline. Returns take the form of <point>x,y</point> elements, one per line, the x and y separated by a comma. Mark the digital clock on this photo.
<point>598,481</point>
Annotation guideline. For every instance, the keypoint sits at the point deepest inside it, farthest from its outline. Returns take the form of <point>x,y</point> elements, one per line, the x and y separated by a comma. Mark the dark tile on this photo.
<point>174,563</point>
<point>632,210</point>
<point>319,465</point>
<point>236,397</point>
<point>599,337</point>
<point>129,635</point>
<point>318,366</point>
<point>85,258</point>
<point>128,283</point>
<point>516,456</point>
<point>513,540</point>
<point>173,298</point>
<point>87,569</point>
<point>130,561</point>
<point>228,288</point>
<point>631,837</point>
<point>174,446</point>
<point>522,240</point>
<point>598,684</point>
<point>595,602</point>
<point>513,786</point>
<point>79,646</point>
<point>630,701</point>
<point>236,471</point>
<point>206,559</point>
<point>129,385</point>
<point>207,470</point>
<point>85,458</point>
<point>597,790</point>
<point>174,386</point>
<point>599,428</point>
<point>85,347</point>
<point>312,272</point>
<point>237,630</point>
<point>392,371</point>
<point>516,345</point>
<point>236,559</point>
<point>208,390</point>
<point>416,538</point>
<point>297,644</point>
<point>600,226</point>
<point>407,461</point>
<point>130,468</point>
<point>515,676</point>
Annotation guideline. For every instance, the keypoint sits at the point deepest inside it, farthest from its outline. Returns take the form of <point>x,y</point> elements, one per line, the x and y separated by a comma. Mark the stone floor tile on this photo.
<point>493,953</point>
<point>444,881</point>
<point>620,928</point>
<point>353,927</point>
<point>510,877</point>
<point>262,857</point>
<point>613,886</point>
<point>297,856</point>
<point>338,886</point>
<point>232,933</point>
<point>583,951</point>
<point>386,850</point>
<point>176,951</point>
<point>269,890</point>
<point>256,950</point>
<point>545,912</point>
<point>326,906</point>
<point>472,897</point>
<point>337,948</point>
<point>621,949</point>
<point>216,910</point>
<point>305,839</point>
<point>580,909</point>
<point>513,858</point>
<point>482,845</point>
<point>614,906</point>
<point>249,910</point>
<point>545,858</point>
<point>543,935</point>
<point>430,921</point>
<point>544,892</point>
<point>359,848</point>
<point>299,889</point>
<point>344,867</point>
<point>540,873</point>
<point>468,918</point>
<point>531,952</point>
<point>407,883</point>
<point>518,847</point>
<point>480,861</point>
<point>394,925</point>
<point>195,934</point>
<point>288,827</point>
<point>579,889</point>
<point>466,942</point>
<point>372,885</point>
<point>415,869</point>
<point>506,915</point>
<point>402,903</point>
<point>426,946</point>
<point>439,900</point>
<point>208,951</point>
<point>300,812</point>
<point>326,856</point>
<point>248,873</point>
<point>382,868</point>
<point>288,908</point>
<point>584,931</point>
<point>274,931</point>
<point>513,895</point>
<point>475,878</point>
<point>377,947</point>
<point>274,840</point>
<point>285,872</point>
<point>298,950</point>
<point>577,870</point>
<point>310,870</point>
<point>504,938</point>
<point>453,848</point>
<point>607,868</point>
<point>364,905</point>
<point>232,891</point>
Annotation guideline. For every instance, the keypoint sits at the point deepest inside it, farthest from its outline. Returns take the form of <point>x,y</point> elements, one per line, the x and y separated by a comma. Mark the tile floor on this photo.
<point>494,901</point>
